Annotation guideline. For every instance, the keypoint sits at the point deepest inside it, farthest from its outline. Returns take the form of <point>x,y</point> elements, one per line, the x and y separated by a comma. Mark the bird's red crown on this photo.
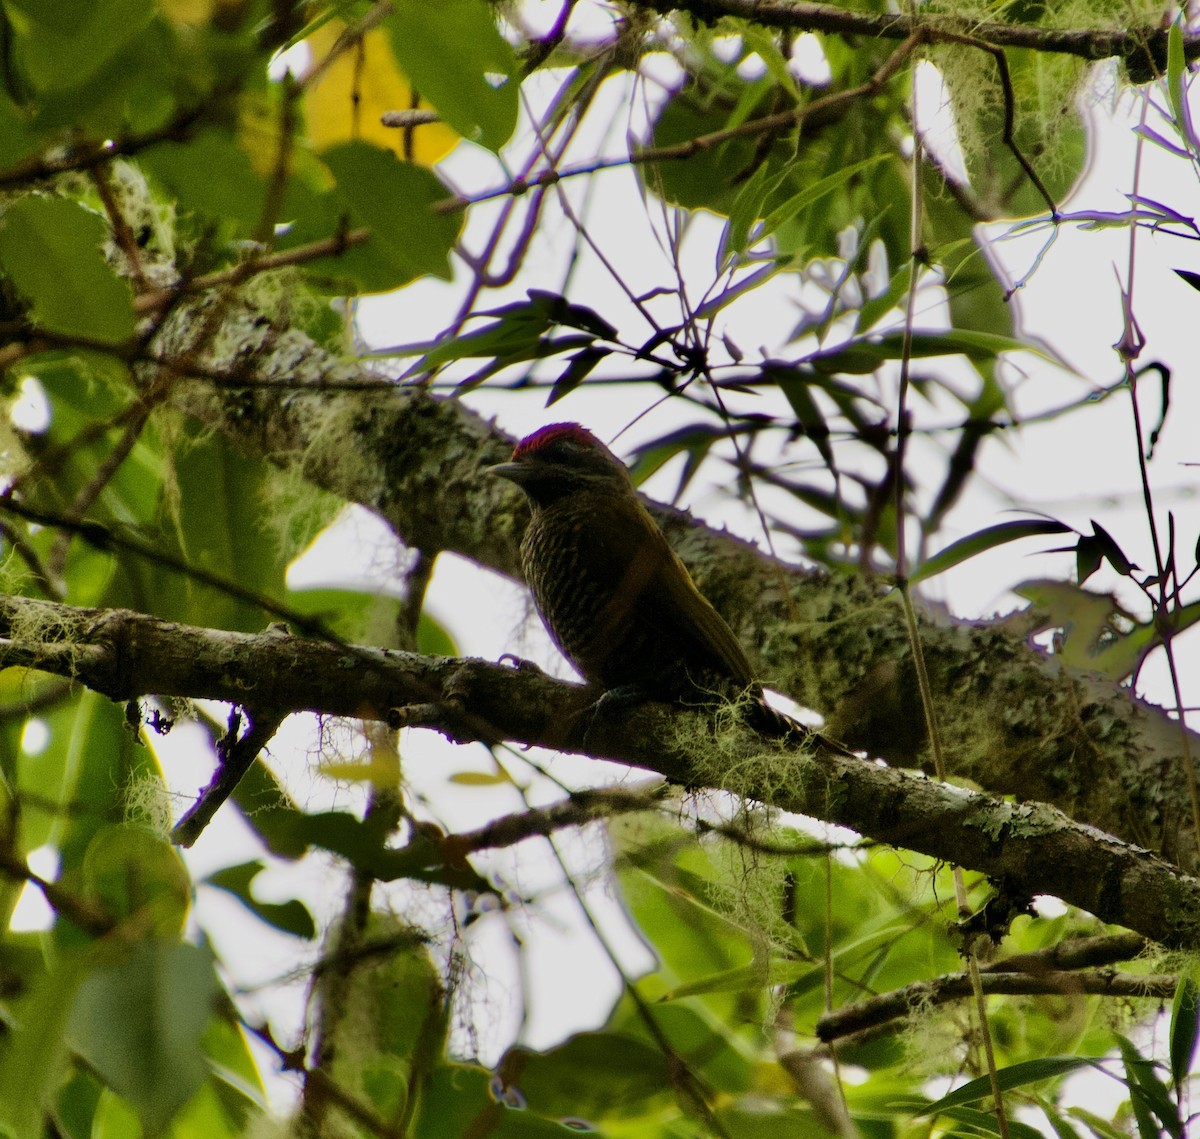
<point>555,433</point>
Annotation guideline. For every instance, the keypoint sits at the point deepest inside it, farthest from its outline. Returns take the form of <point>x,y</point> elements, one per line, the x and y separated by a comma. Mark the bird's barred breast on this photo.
<point>584,603</point>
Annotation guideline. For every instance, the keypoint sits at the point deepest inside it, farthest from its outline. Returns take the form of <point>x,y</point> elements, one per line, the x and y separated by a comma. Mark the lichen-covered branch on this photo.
<point>1139,46</point>
<point>1031,847</point>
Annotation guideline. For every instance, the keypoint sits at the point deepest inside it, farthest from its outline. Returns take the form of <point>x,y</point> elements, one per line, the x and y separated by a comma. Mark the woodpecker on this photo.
<point>615,598</point>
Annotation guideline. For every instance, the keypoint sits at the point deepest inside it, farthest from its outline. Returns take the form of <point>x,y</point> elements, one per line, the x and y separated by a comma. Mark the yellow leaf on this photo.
<point>369,71</point>
<point>478,778</point>
<point>381,768</point>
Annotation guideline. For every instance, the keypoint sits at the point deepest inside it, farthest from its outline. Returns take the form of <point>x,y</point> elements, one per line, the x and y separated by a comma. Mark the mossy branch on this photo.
<point>1032,847</point>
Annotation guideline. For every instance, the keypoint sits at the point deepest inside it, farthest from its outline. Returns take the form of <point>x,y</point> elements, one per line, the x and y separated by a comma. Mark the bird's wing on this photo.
<point>657,585</point>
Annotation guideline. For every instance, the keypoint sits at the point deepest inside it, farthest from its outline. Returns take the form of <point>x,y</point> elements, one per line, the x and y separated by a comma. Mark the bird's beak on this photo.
<point>514,472</point>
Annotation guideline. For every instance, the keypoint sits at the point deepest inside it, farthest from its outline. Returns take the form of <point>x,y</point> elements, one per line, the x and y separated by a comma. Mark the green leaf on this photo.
<point>1014,1076</point>
<point>66,43</point>
<point>33,1052</point>
<point>822,188</point>
<point>352,615</point>
<point>1185,1024</point>
<point>51,250</point>
<point>433,638</point>
<point>1177,82</point>
<point>746,209</point>
<point>593,1075</point>
<point>456,58</point>
<point>986,539</point>
<point>18,138</point>
<point>291,917</point>
<point>862,356</point>
<point>875,309</point>
<point>134,875</point>
<point>103,761</point>
<point>395,200</point>
<point>212,175</point>
<point>985,1123</point>
<point>1149,1094</point>
<point>139,1025</point>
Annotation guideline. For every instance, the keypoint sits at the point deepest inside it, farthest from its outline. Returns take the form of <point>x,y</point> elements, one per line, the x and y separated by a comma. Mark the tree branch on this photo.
<point>1031,847</point>
<point>864,1015</point>
<point>1137,46</point>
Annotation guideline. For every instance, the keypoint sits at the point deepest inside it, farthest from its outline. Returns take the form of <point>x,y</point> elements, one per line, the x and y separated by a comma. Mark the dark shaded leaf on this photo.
<point>1191,278</point>
<point>1148,1095</point>
<point>1111,552</point>
<point>576,371</point>
<point>291,917</point>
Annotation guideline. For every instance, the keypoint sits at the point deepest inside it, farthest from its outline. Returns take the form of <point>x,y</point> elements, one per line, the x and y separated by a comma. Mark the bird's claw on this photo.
<point>521,664</point>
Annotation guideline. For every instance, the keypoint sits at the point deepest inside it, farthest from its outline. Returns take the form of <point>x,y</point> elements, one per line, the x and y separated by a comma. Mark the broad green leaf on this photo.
<point>104,761</point>
<point>593,1075</point>
<point>51,250</point>
<point>986,539</point>
<point>33,1052</point>
<point>75,1108</point>
<point>137,877</point>
<point>18,138</point>
<point>1092,639</point>
<point>216,1111</point>
<point>433,638</point>
<point>139,1025</point>
<point>395,201</point>
<point>211,174</point>
<point>236,1081</point>
<point>351,93</point>
<point>459,1097</point>
<point>66,43</point>
<point>457,59</point>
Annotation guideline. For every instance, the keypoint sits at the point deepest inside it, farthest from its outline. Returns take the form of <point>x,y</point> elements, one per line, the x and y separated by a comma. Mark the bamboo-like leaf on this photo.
<point>987,539</point>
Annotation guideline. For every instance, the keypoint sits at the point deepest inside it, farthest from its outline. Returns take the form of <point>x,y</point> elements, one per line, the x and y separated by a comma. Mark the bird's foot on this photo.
<point>521,664</point>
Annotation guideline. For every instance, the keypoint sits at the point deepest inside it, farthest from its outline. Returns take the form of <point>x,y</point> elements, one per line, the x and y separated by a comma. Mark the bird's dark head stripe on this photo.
<point>555,433</point>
